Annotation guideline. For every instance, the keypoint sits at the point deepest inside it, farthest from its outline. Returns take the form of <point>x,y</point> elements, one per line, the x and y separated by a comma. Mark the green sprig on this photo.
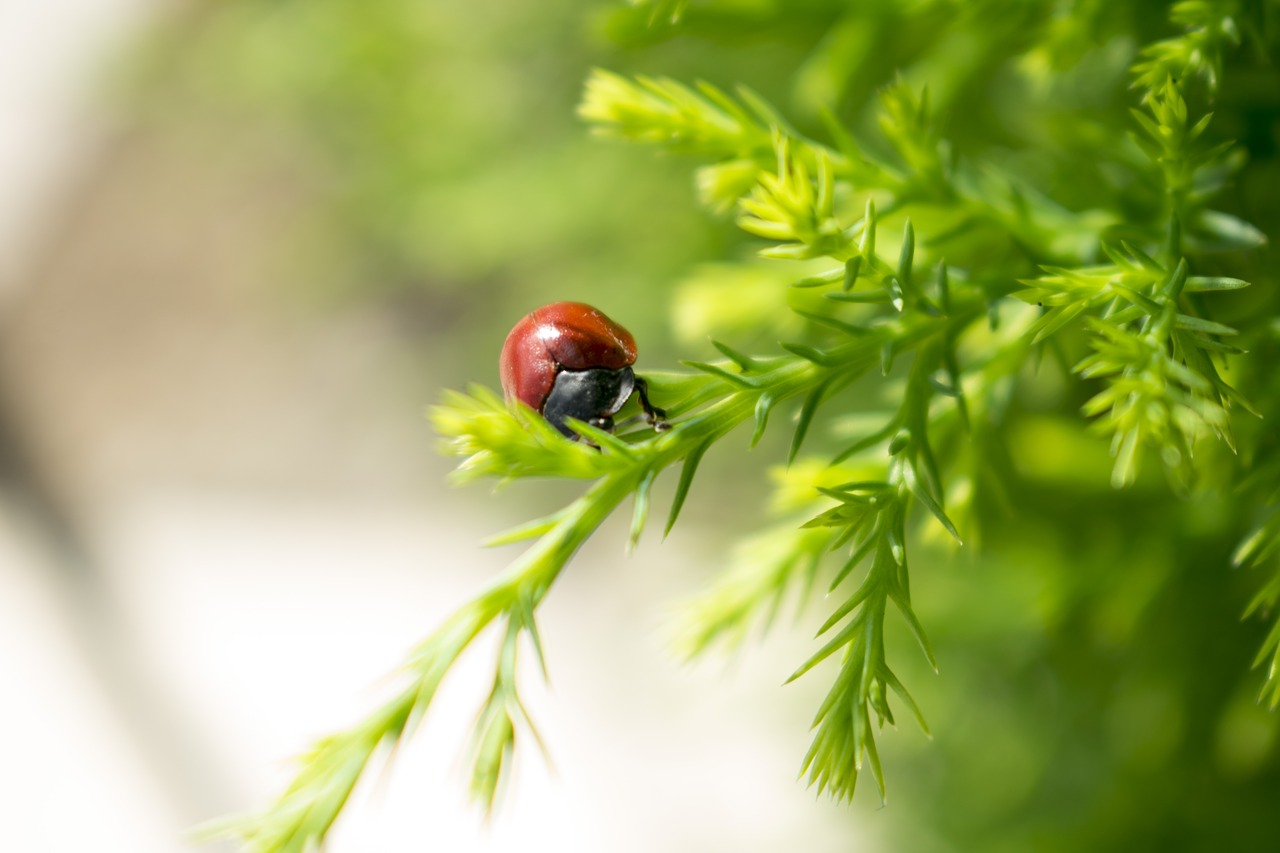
<point>1210,28</point>
<point>1151,344</point>
<point>1157,354</point>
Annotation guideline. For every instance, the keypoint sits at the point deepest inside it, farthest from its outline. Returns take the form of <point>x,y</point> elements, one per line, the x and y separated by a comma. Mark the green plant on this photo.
<point>937,278</point>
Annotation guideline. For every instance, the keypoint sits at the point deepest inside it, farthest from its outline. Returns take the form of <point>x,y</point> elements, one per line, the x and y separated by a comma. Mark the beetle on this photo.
<point>568,360</point>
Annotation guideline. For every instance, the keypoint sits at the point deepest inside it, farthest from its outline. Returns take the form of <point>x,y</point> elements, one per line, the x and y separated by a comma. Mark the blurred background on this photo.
<point>244,244</point>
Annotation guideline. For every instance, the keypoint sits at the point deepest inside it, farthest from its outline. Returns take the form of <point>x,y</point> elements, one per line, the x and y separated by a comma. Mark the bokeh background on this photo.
<point>244,244</point>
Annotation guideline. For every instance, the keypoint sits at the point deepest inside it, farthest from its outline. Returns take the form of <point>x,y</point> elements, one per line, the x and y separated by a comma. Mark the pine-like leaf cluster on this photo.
<point>939,279</point>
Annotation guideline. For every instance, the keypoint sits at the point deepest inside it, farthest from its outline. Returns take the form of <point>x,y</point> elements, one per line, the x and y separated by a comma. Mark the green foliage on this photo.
<point>1261,548</point>
<point>1210,28</point>
<point>1164,390</point>
<point>1089,217</point>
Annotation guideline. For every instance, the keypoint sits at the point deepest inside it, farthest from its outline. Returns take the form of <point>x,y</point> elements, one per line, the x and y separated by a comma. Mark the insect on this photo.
<point>568,360</point>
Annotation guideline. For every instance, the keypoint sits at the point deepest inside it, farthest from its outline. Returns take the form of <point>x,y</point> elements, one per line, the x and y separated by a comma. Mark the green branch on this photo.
<point>877,298</point>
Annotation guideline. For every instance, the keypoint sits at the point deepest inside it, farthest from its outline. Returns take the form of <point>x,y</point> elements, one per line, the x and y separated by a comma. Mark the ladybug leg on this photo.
<point>605,423</point>
<point>656,417</point>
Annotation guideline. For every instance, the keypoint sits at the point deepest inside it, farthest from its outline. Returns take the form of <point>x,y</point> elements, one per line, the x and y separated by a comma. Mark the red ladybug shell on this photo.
<point>555,337</point>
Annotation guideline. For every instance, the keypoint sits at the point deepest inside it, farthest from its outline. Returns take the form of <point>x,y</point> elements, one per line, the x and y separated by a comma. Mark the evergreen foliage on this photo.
<point>1098,236</point>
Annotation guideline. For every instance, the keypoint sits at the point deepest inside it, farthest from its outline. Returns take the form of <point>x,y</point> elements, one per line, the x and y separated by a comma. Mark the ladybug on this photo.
<point>568,360</point>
